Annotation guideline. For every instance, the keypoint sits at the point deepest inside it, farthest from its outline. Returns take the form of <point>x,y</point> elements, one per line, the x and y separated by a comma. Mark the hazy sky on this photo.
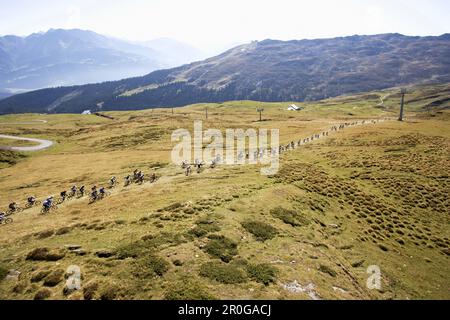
<point>210,24</point>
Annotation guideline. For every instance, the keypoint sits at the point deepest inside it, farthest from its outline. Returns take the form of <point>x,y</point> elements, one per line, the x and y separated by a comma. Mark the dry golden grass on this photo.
<point>369,195</point>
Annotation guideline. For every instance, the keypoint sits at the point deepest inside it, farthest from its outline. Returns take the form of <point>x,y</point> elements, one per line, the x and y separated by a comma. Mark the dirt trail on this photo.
<point>25,122</point>
<point>43,144</point>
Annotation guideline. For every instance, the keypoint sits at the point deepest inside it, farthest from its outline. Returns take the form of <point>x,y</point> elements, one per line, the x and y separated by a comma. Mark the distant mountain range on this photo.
<point>67,57</point>
<point>270,70</point>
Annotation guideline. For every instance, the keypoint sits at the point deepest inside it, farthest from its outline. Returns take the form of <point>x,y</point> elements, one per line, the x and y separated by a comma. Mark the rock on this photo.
<point>104,253</point>
<point>339,290</point>
<point>295,287</point>
<point>79,252</point>
<point>13,275</point>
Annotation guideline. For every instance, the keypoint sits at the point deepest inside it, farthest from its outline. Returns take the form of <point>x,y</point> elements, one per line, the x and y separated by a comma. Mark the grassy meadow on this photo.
<point>376,194</point>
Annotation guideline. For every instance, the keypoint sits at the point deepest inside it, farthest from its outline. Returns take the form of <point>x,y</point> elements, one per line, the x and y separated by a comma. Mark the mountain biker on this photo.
<point>135,174</point>
<point>188,170</point>
<point>73,190</point>
<point>102,192</point>
<point>94,194</point>
<point>31,200</point>
<point>199,166</point>
<point>140,177</point>
<point>63,195</point>
<point>112,181</point>
<point>13,206</point>
<point>81,190</point>
<point>47,204</point>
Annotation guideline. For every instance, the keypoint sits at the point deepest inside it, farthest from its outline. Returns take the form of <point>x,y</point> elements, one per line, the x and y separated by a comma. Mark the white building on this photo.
<point>86,112</point>
<point>293,107</point>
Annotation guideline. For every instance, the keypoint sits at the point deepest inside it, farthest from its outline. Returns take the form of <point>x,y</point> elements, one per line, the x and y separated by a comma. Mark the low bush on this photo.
<point>289,217</point>
<point>221,247</point>
<point>261,230</point>
<point>263,273</point>
<point>223,273</point>
<point>151,266</point>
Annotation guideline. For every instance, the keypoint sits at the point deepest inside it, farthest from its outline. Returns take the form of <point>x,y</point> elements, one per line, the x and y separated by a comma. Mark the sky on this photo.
<point>212,24</point>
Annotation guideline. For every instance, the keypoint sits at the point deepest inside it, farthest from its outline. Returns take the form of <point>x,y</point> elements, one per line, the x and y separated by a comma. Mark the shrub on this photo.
<point>203,228</point>
<point>44,254</point>
<point>289,217</point>
<point>164,238</point>
<point>45,234</point>
<point>54,278</point>
<point>263,273</point>
<point>3,272</point>
<point>63,230</point>
<point>131,250</point>
<point>89,290</point>
<point>177,263</point>
<point>173,207</point>
<point>224,273</point>
<point>328,270</point>
<point>198,232</point>
<point>262,231</point>
<point>109,291</point>
<point>152,266</point>
<point>42,294</point>
<point>221,247</point>
<point>40,275</point>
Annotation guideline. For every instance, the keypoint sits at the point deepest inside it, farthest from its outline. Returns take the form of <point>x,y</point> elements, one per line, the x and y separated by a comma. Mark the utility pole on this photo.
<point>172,110</point>
<point>260,114</point>
<point>206,113</point>
<point>403,92</point>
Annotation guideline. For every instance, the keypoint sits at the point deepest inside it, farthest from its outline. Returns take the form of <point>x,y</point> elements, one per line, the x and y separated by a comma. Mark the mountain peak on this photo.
<point>269,70</point>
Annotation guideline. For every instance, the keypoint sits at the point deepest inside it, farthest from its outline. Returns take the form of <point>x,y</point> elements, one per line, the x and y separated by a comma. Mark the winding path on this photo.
<point>43,144</point>
<point>25,122</point>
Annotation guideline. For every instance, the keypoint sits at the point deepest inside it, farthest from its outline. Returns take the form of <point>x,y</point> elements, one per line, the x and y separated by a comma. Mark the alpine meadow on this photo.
<point>139,170</point>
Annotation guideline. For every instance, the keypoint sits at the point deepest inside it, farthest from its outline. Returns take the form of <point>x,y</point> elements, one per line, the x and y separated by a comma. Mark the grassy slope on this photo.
<point>357,194</point>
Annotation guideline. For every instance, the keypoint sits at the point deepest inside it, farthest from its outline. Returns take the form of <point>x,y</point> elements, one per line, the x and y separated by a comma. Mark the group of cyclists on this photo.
<point>198,165</point>
<point>138,177</point>
<point>51,203</point>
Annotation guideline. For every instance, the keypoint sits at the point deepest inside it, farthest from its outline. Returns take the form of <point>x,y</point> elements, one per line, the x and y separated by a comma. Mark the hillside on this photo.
<point>373,194</point>
<point>269,70</point>
<point>62,57</point>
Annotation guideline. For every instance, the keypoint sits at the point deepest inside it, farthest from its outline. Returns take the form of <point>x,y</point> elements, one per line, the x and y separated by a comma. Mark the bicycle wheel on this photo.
<point>8,220</point>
